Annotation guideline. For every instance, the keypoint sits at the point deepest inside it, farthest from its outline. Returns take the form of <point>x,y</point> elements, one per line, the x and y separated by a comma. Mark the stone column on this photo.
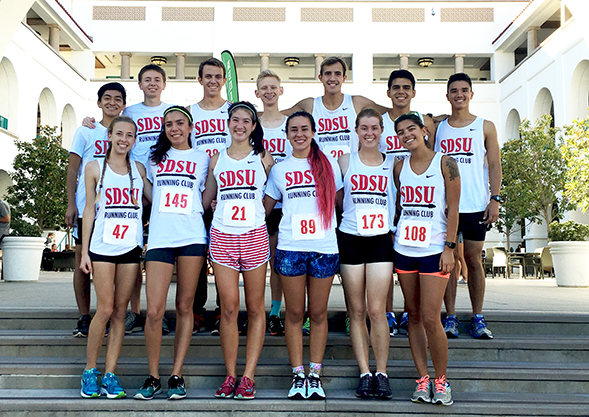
<point>459,63</point>
<point>180,65</point>
<point>404,64</point>
<point>264,62</point>
<point>54,36</point>
<point>318,60</point>
<point>126,65</point>
<point>532,39</point>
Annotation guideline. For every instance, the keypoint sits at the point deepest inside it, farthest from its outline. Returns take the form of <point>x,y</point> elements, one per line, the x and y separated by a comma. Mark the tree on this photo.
<point>575,151</point>
<point>534,173</point>
<point>38,196</point>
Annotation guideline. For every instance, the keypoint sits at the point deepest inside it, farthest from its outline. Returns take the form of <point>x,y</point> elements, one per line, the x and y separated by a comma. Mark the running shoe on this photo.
<point>176,389</point>
<point>450,324</point>
<point>314,387</point>
<point>392,321</point>
<point>83,326</point>
<point>298,387</point>
<point>462,281</point>
<point>404,324</point>
<point>227,388</point>
<point>246,389</point>
<point>243,330</point>
<point>442,392</point>
<point>423,391</point>
<point>90,387</point>
<point>165,326</point>
<point>215,331</point>
<point>478,328</point>
<point>111,387</point>
<point>307,327</point>
<point>382,387</point>
<point>347,326</point>
<point>199,324</point>
<point>133,323</point>
<point>152,386</point>
<point>275,326</point>
<point>365,387</point>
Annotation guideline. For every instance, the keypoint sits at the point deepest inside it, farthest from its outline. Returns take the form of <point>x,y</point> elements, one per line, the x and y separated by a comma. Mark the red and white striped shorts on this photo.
<point>240,252</point>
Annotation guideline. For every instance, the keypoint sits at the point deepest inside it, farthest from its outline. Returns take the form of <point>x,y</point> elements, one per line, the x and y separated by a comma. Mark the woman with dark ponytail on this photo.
<point>111,249</point>
<point>306,259</point>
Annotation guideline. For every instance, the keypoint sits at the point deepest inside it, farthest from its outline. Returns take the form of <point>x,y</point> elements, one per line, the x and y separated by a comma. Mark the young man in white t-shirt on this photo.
<point>89,144</point>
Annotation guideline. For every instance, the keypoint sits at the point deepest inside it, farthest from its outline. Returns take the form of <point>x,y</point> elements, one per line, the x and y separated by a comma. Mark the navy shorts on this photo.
<point>169,255</point>
<point>131,257</point>
<point>78,232</point>
<point>428,265</point>
<point>358,250</point>
<point>317,265</point>
<point>472,226</point>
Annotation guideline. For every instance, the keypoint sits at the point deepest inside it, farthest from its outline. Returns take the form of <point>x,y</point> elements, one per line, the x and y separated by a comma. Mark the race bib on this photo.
<point>307,227</point>
<point>239,213</point>
<point>120,231</point>
<point>416,233</point>
<point>373,221</point>
<point>335,151</point>
<point>176,200</point>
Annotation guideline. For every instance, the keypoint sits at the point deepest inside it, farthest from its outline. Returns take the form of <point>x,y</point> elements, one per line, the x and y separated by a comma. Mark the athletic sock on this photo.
<point>314,368</point>
<point>275,309</point>
<point>365,374</point>
<point>381,373</point>
<point>298,370</point>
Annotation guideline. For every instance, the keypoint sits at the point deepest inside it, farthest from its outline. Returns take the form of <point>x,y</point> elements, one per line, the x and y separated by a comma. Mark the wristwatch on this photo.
<point>496,198</point>
<point>451,245</point>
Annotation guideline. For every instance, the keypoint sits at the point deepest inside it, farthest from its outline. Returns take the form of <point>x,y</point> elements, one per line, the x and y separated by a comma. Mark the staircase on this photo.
<point>537,365</point>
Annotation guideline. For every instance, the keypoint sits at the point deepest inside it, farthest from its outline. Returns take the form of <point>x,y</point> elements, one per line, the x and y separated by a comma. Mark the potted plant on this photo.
<point>37,201</point>
<point>569,247</point>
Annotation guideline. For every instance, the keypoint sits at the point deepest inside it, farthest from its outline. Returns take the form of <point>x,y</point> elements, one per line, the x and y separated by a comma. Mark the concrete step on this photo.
<point>272,403</point>
<point>465,376</point>
<point>522,348</point>
<point>499,322</point>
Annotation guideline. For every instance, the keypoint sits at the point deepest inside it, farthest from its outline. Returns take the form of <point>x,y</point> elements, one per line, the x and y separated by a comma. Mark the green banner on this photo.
<point>231,85</point>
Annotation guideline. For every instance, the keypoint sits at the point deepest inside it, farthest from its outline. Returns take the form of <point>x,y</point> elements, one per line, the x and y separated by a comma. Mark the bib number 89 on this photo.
<point>308,226</point>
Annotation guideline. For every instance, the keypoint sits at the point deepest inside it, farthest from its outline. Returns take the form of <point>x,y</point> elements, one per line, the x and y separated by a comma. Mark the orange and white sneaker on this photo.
<point>442,392</point>
<point>423,391</point>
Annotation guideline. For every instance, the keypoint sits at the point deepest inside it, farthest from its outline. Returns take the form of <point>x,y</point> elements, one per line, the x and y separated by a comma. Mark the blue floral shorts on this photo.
<point>317,265</point>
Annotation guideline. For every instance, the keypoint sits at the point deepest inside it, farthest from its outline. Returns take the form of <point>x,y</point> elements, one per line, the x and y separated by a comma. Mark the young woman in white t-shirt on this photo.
<point>111,249</point>
<point>306,257</point>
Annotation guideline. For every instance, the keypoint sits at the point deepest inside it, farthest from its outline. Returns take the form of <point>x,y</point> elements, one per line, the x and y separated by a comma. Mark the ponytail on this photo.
<point>324,183</point>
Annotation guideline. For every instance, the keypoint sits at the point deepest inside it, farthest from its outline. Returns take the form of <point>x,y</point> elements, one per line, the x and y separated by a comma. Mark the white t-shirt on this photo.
<point>149,121</point>
<point>176,211</point>
<point>278,145</point>
<point>88,144</point>
<point>211,129</point>
<point>301,228</point>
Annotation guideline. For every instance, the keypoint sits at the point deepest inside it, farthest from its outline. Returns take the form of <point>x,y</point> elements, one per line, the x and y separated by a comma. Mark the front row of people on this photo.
<point>181,183</point>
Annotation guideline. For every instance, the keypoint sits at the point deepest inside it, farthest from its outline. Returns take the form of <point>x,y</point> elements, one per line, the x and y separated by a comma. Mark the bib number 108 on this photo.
<point>415,233</point>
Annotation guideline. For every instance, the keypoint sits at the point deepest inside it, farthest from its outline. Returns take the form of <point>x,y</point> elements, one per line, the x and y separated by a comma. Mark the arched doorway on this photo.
<point>5,182</point>
<point>544,104</point>
<point>579,91</point>
<point>68,126</point>
<point>47,111</point>
<point>8,96</point>
<point>512,125</point>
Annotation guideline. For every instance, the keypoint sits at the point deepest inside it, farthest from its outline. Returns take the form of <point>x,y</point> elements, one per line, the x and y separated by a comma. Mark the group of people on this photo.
<point>335,183</point>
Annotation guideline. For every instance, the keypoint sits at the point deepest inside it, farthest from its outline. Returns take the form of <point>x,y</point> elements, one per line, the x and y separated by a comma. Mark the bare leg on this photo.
<point>81,285</point>
<point>136,296</point>
<point>354,283</point>
<point>275,282</point>
<point>319,289</point>
<point>227,280</point>
<point>431,294</point>
<point>463,266</point>
<point>450,294</point>
<point>410,285</point>
<point>473,251</point>
<point>255,287</point>
<point>378,276</point>
<point>294,300</point>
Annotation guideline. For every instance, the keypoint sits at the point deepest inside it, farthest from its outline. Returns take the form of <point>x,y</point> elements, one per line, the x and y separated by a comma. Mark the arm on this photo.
<point>210,192</point>
<point>305,104</point>
<point>344,163</point>
<point>361,102</point>
<point>494,161</point>
<point>452,184</point>
<point>92,178</point>
<point>89,122</point>
<point>147,187</point>
<point>339,198</point>
<point>269,204</point>
<point>267,162</point>
<point>431,129</point>
<point>71,215</point>
<point>5,219</point>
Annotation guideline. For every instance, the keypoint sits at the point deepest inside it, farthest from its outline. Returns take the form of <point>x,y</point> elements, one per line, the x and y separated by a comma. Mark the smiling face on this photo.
<point>401,92</point>
<point>152,84</point>
<point>410,134</point>
<point>332,78</point>
<point>241,125</point>
<point>269,90</point>
<point>459,95</point>
<point>122,137</point>
<point>212,80</point>
<point>178,129</point>
<point>111,103</point>
<point>300,133</point>
<point>369,131</point>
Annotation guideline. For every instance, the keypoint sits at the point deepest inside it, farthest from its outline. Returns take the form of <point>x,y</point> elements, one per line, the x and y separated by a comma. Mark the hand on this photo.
<point>89,122</point>
<point>447,261</point>
<point>86,264</point>
<point>213,205</point>
<point>71,217</point>
<point>491,212</point>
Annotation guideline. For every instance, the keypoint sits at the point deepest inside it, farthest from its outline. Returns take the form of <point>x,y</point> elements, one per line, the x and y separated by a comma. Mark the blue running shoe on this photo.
<point>450,324</point>
<point>152,386</point>
<point>404,324</point>
<point>314,387</point>
<point>111,387</point>
<point>176,388</point>
<point>392,321</point>
<point>478,328</point>
<point>90,387</point>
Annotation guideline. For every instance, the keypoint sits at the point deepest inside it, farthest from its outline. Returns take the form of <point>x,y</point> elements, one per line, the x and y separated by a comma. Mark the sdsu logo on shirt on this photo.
<point>176,167</point>
<point>393,145</point>
<point>298,178</point>
<point>335,125</point>
<point>243,178</point>
<point>100,147</point>
<point>421,195</point>
<point>277,146</point>
<point>209,127</point>
<point>368,184</point>
<point>459,148</point>
<point>149,124</point>
<point>120,196</point>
